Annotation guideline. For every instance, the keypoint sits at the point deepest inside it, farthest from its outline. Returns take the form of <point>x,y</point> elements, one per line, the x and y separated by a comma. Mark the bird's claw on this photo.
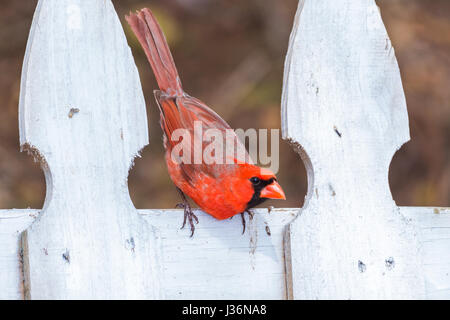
<point>188,213</point>
<point>188,216</point>
<point>250,214</point>
<point>243,222</point>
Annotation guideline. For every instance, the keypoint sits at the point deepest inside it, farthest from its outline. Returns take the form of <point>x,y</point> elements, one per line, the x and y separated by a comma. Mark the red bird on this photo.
<point>220,189</point>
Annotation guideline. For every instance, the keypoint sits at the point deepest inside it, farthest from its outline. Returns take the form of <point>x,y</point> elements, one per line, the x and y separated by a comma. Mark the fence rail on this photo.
<point>82,114</point>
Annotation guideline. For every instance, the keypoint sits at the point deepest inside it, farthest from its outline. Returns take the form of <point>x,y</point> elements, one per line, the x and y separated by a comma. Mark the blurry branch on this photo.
<point>240,83</point>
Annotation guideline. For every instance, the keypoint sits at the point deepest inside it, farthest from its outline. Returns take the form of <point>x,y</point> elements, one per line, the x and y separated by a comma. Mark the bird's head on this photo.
<point>261,183</point>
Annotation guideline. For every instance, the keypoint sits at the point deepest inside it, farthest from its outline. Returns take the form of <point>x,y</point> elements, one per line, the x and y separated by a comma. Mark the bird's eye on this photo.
<point>255,180</point>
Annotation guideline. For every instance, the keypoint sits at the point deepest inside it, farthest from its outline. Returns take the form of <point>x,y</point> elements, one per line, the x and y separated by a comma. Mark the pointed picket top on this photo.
<point>77,57</point>
<point>82,112</point>
<point>344,109</point>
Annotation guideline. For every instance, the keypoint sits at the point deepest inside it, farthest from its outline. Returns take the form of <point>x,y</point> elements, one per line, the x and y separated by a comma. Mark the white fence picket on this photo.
<point>343,102</point>
<point>82,110</point>
<point>82,114</point>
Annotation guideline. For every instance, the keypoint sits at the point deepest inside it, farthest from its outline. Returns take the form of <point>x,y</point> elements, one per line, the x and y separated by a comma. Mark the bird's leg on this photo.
<point>250,214</point>
<point>188,213</point>
<point>243,222</point>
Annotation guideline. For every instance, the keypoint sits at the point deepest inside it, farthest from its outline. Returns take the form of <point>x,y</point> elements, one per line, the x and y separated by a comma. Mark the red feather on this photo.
<point>221,190</point>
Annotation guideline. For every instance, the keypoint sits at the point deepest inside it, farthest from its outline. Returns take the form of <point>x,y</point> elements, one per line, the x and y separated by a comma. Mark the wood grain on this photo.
<point>219,262</point>
<point>344,110</point>
<point>82,113</point>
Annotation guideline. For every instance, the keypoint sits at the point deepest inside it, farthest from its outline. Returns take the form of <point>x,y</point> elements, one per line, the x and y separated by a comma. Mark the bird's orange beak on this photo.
<point>273,191</point>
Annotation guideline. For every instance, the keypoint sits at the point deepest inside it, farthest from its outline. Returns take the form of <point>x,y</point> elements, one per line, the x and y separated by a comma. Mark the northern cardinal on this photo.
<point>220,189</point>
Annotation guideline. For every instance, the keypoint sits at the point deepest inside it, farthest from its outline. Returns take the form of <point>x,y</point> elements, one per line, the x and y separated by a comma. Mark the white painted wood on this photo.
<point>343,103</point>
<point>12,223</point>
<point>433,232</point>
<point>83,114</point>
<point>218,262</point>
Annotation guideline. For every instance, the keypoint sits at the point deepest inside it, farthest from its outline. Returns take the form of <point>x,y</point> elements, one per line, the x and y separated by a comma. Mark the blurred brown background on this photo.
<point>230,54</point>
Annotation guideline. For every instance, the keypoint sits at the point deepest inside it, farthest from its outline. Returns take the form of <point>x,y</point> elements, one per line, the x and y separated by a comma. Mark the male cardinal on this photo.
<point>220,189</point>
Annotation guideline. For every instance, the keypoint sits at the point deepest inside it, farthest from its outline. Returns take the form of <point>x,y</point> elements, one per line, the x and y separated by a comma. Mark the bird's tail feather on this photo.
<point>149,33</point>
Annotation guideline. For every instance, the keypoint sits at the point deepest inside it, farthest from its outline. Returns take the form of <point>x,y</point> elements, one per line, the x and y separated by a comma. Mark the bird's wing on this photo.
<point>182,112</point>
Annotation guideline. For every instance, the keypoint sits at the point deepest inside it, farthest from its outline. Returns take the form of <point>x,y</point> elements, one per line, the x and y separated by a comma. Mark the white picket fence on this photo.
<point>82,115</point>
